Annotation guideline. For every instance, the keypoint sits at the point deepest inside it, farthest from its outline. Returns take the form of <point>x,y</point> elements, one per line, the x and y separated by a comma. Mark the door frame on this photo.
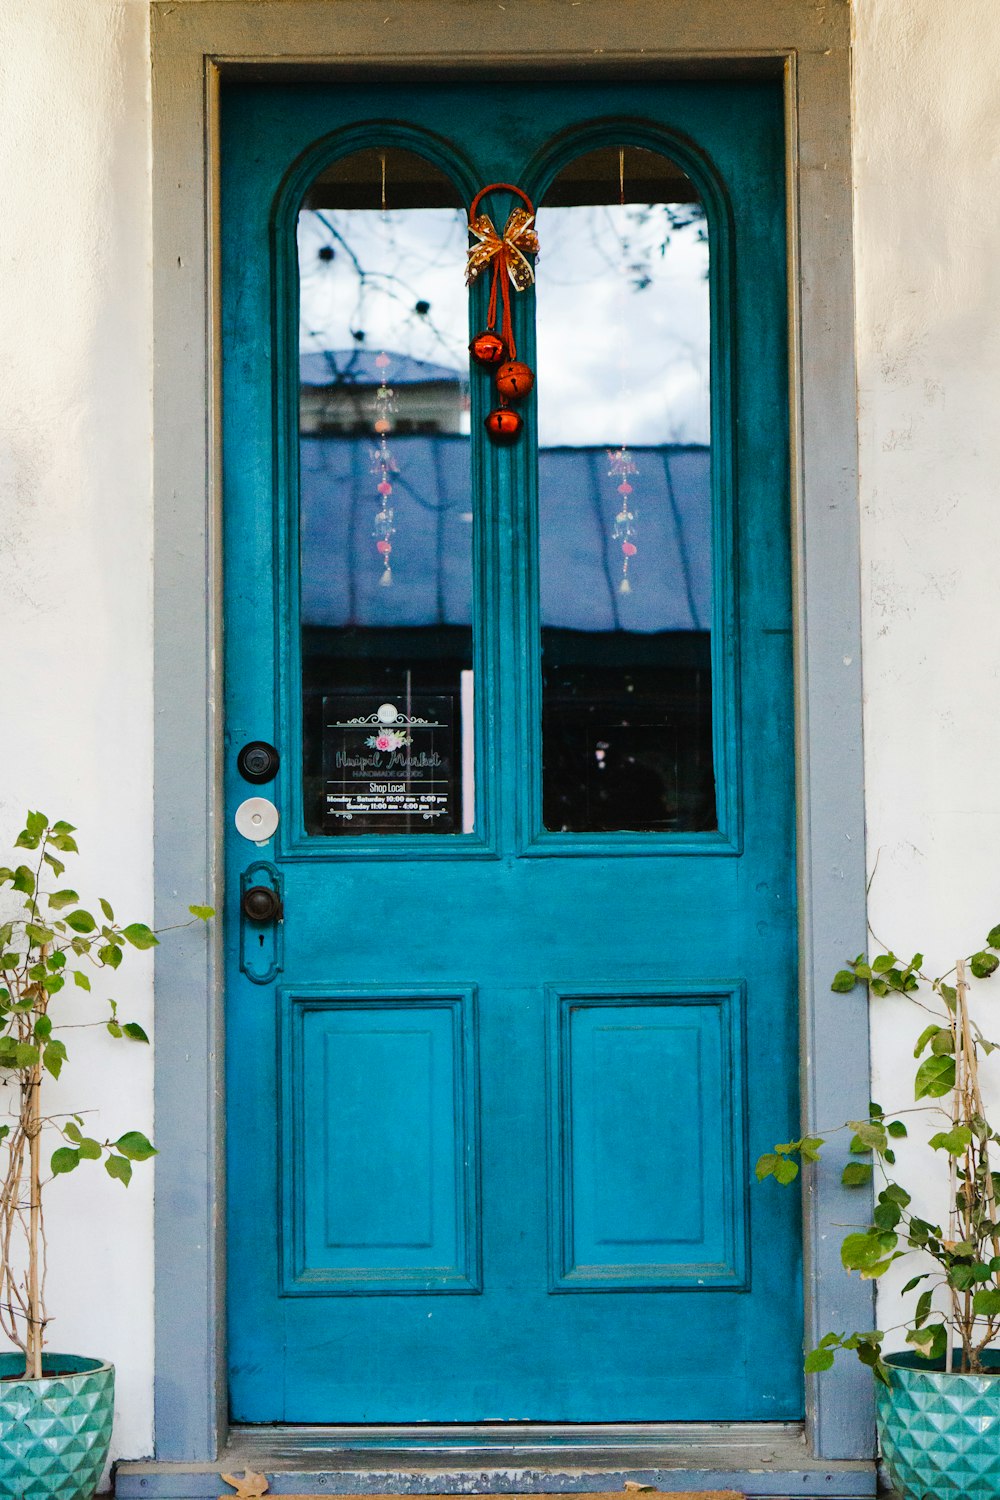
<point>194,45</point>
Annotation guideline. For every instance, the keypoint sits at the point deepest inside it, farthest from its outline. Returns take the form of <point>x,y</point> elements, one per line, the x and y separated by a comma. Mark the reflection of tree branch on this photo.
<point>387,283</point>
<point>332,228</point>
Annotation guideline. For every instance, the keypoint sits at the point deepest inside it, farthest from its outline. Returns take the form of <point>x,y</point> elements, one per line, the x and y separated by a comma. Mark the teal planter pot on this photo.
<point>54,1432</point>
<point>940,1433</point>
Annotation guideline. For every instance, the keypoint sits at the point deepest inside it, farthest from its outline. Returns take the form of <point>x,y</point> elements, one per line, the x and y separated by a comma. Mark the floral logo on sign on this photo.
<point>388,739</point>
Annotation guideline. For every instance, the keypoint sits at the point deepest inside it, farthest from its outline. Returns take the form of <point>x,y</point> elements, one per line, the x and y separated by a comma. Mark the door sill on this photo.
<point>760,1459</point>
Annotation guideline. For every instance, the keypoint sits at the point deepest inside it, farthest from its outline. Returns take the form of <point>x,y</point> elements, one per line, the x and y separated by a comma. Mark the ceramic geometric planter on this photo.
<point>54,1432</point>
<point>940,1433</point>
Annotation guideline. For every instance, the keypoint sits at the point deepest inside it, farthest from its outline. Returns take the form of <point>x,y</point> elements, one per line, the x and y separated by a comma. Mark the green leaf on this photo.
<point>140,936</point>
<point>897,1129</point>
<point>64,1159</point>
<point>949,994</point>
<point>993,937</point>
<point>53,1057</point>
<point>59,899</point>
<point>843,982</point>
<point>817,1360</point>
<point>35,825</point>
<point>879,987</point>
<point>134,1032</point>
<point>43,1027</point>
<point>857,1174</point>
<point>106,909</point>
<point>203,913</point>
<point>872,1273</point>
<point>930,1342</point>
<point>935,1078</point>
<point>63,842</point>
<point>90,1150</point>
<point>24,880</point>
<point>986,1304</point>
<point>915,1282</point>
<point>114,1029</point>
<point>80,920</point>
<point>869,1136</point>
<point>887,1214</point>
<point>923,1311</point>
<point>25,1055</point>
<point>37,934</point>
<point>81,979</point>
<point>983,964</point>
<point>955,1141</point>
<point>884,963</point>
<point>925,1036</point>
<point>56,865</point>
<point>786,1171</point>
<point>117,1166</point>
<point>861,1251</point>
<point>63,827</point>
<point>135,1146</point>
<point>809,1147</point>
<point>943,1043</point>
<point>110,955</point>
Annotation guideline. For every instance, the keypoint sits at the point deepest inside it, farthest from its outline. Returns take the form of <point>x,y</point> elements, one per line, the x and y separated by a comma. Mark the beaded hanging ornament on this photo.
<point>507,255</point>
<point>383,466</point>
<point>621,465</point>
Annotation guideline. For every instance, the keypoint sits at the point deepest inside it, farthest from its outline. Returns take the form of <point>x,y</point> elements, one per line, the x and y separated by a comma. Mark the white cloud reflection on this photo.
<point>622,310</point>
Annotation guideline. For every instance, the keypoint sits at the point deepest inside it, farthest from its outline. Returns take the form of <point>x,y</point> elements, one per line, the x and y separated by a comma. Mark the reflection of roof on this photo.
<point>431,567</point>
<point>357,367</point>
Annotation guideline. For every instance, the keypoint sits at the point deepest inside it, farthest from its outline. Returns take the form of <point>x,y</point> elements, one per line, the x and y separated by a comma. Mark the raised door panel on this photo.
<point>381,1191</point>
<point>648,1140</point>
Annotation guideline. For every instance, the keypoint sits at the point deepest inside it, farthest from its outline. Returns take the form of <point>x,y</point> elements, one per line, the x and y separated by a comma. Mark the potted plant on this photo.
<point>937,1403</point>
<point>55,1409</point>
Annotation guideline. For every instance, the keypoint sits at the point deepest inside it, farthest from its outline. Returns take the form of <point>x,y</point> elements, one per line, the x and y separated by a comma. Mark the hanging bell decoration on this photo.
<point>488,349</point>
<point>504,425</point>
<point>507,256</point>
<point>514,380</point>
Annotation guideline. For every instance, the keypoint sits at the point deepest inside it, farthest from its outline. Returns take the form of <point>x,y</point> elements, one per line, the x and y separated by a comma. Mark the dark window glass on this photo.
<point>625,523</point>
<point>385,501</point>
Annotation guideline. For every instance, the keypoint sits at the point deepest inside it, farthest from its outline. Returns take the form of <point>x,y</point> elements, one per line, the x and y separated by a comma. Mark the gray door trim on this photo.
<point>193,43</point>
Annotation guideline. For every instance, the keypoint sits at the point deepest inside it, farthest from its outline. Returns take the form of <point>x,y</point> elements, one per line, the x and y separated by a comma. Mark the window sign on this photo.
<point>387,770</point>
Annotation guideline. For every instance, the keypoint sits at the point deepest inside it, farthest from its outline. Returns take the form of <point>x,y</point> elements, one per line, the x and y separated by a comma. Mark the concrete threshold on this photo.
<point>763,1460</point>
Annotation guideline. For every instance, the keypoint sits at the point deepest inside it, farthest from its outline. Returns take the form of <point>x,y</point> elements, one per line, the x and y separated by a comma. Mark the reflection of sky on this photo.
<point>622,309</point>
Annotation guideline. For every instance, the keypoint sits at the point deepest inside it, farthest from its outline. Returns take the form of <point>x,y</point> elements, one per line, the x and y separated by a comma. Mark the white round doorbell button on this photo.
<point>257,819</point>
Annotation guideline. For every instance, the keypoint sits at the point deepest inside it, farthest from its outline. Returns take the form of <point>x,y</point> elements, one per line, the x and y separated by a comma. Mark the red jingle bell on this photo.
<point>488,349</point>
<point>514,380</point>
<point>503,425</point>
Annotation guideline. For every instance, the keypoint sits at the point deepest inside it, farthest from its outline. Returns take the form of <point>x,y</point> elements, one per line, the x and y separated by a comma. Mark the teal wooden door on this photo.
<point>497,1076</point>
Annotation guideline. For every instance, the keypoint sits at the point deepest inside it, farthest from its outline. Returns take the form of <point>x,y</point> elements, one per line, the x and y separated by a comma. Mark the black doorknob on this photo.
<point>258,762</point>
<point>261,903</point>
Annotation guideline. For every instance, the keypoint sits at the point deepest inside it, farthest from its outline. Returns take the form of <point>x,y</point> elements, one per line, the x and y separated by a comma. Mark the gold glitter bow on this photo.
<point>510,249</point>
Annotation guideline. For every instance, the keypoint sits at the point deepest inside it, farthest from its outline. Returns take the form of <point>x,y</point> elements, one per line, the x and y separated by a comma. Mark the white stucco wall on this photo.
<point>75,585</point>
<point>927,167</point>
<point>75,531</point>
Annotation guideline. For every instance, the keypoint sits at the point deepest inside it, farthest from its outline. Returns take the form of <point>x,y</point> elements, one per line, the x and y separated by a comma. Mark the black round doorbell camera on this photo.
<point>258,762</point>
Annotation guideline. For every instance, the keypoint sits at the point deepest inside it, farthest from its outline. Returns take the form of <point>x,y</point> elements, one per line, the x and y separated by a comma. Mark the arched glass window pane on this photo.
<point>385,500</point>
<point>625,523</point>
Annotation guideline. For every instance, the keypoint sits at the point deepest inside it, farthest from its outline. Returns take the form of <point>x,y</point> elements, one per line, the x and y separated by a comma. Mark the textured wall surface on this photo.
<point>75,532</point>
<point>75,587</point>
<point>927,168</point>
